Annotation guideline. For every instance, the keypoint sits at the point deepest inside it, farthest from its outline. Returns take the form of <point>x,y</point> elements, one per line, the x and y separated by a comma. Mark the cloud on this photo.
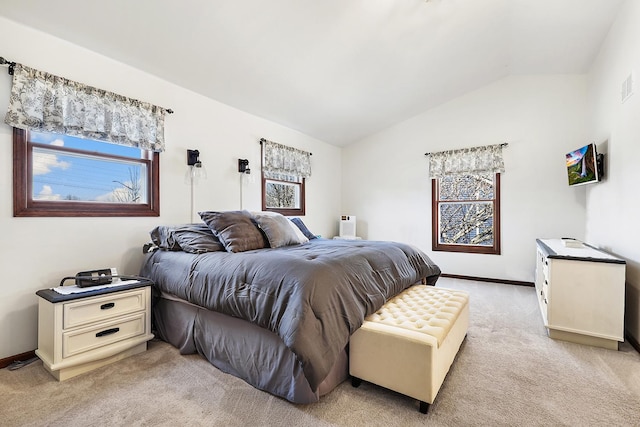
<point>47,194</point>
<point>122,194</point>
<point>57,142</point>
<point>43,163</point>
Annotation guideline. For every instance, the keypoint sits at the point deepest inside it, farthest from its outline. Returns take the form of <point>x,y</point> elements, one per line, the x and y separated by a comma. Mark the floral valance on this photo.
<point>467,161</point>
<point>283,162</point>
<point>46,103</point>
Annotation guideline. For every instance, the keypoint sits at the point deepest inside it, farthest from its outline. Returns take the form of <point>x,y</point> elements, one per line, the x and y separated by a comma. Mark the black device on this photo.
<point>94,277</point>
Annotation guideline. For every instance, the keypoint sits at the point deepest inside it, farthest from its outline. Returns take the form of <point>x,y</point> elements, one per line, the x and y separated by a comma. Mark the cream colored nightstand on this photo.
<point>84,331</point>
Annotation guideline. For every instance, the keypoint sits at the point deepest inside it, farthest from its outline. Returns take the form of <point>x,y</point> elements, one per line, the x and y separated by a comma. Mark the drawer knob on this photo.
<point>107,332</point>
<point>107,306</point>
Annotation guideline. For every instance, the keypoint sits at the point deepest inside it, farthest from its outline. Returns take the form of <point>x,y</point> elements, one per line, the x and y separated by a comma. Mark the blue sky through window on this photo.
<point>59,175</point>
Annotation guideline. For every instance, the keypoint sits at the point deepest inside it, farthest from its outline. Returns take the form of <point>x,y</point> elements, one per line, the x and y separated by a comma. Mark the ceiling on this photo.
<point>337,70</point>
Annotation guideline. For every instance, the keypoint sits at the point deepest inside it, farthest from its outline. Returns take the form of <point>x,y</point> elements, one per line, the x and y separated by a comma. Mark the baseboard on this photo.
<point>22,356</point>
<point>484,279</point>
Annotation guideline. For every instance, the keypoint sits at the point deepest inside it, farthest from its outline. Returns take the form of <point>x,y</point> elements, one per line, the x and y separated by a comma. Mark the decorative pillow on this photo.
<point>301,237</point>
<point>162,237</point>
<point>308,234</point>
<point>197,239</point>
<point>278,229</point>
<point>192,238</point>
<point>235,230</point>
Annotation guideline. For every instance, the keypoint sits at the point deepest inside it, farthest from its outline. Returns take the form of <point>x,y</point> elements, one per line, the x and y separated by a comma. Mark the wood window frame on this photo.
<point>475,249</point>
<point>25,206</point>
<point>284,211</point>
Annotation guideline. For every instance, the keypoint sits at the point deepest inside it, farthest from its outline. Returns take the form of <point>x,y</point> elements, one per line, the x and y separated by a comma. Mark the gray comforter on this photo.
<point>314,295</point>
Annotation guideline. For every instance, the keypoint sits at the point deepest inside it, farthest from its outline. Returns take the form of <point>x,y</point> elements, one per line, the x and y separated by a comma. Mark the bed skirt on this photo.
<point>240,348</point>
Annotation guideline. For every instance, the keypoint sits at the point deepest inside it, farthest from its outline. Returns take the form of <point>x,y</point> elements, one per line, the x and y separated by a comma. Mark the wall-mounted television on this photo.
<point>584,165</point>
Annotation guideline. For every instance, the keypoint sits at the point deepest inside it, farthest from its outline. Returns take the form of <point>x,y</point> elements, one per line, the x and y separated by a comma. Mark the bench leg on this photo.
<point>355,382</point>
<point>424,407</point>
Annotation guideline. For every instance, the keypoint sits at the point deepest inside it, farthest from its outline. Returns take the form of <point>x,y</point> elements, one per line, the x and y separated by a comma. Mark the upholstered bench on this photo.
<point>410,343</point>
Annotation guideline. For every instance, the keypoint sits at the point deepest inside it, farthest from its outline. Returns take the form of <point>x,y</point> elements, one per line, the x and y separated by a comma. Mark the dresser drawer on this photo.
<point>85,339</point>
<point>87,311</point>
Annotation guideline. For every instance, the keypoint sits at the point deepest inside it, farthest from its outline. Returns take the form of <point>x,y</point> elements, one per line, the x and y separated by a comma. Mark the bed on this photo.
<point>262,299</point>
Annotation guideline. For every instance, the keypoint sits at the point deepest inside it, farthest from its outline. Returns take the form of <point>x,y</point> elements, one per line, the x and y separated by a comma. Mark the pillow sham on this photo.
<point>192,238</point>
<point>301,237</point>
<point>278,230</point>
<point>197,239</point>
<point>303,228</point>
<point>235,230</point>
<point>162,237</point>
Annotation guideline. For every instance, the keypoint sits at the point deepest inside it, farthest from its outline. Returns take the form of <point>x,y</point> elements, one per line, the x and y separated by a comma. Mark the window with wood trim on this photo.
<point>283,196</point>
<point>283,170</point>
<point>466,213</point>
<point>62,176</point>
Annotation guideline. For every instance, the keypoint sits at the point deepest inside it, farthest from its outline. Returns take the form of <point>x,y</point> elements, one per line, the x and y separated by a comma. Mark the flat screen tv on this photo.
<point>582,165</point>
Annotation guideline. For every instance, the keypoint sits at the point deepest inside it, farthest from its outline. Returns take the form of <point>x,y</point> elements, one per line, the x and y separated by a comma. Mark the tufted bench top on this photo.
<point>425,309</point>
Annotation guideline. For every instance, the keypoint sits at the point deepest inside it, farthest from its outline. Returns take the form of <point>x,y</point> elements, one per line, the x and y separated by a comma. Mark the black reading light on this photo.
<point>243,166</point>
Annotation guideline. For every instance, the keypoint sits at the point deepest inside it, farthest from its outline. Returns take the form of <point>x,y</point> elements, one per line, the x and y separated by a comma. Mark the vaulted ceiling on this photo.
<point>337,70</point>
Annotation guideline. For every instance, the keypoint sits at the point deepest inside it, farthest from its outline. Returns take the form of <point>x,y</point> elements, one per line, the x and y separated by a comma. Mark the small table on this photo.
<point>83,331</point>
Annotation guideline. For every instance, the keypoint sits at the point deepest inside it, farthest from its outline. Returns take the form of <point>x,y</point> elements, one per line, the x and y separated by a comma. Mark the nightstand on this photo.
<point>83,331</point>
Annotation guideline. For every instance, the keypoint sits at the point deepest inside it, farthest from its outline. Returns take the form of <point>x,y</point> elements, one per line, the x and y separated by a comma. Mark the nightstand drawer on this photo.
<point>83,312</point>
<point>85,339</point>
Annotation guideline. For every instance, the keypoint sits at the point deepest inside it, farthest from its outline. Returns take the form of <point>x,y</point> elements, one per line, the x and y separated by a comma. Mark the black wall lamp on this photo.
<point>243,166</point>
<point>193,158</point>
<point>195,172</point>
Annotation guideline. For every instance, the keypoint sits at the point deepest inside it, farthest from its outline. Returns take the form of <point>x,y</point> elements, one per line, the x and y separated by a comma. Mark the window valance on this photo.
<point>47,103</point>
<point>467,161</point>
<point>282,162</point>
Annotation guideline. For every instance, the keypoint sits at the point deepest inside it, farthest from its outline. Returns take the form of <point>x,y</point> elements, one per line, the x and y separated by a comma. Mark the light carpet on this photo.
<point>508,372</point>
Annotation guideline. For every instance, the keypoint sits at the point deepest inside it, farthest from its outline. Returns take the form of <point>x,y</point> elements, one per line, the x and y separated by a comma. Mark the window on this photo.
<point>283,196</point>
<point>63,176</point>
<point>284,170</point>
<point>466,213</point>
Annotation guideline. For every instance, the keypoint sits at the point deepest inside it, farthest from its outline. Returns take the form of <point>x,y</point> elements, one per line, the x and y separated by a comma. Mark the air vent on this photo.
<point>627,88</point>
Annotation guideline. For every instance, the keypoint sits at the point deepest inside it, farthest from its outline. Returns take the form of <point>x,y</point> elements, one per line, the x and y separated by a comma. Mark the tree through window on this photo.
<point>62,175</point>
<point>466,213</point>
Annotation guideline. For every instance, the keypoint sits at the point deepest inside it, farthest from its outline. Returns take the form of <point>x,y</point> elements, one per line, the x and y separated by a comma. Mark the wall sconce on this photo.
<point>243,166</point>
<point>193,158</point>
<point>195,172</point>
<point>246,177</point>
<point>196,168</point>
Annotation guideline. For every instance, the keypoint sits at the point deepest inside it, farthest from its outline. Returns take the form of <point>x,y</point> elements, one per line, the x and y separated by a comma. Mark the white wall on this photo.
<point>386,184</point>
<point>613,206</point>
<point>37,252</point>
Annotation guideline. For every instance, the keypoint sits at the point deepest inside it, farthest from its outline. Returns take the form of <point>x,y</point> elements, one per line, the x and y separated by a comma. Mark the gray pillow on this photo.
<point>192,238</point>
<point>162,237</point>
<point>197,239</point>
<point>278,229</point>
<point>235,230</point>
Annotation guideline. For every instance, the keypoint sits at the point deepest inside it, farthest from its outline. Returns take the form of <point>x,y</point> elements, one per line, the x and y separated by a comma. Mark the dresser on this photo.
<point>84,331</point>
<point>580,292</point>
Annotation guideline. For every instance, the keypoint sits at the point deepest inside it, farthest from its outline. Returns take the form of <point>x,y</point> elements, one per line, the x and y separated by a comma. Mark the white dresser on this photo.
<point>84,331</point>
<point>581,292</point>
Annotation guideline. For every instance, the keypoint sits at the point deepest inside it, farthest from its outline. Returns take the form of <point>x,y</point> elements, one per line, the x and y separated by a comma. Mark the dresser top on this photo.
<point>575,250</point>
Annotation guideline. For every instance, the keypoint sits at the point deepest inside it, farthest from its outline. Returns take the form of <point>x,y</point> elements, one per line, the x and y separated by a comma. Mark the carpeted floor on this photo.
<point>508,372</point>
